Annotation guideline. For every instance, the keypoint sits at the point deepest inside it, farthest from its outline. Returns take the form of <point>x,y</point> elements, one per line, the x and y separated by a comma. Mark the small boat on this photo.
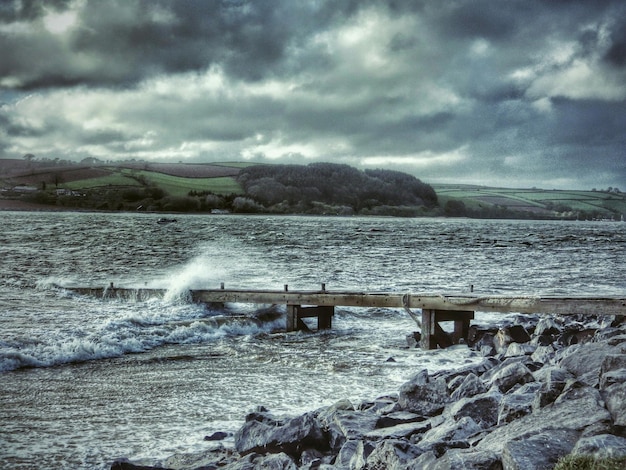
<point>165,220</point>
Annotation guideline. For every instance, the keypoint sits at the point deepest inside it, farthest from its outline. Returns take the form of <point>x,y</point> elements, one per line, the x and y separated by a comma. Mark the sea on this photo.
<point>85,381</point>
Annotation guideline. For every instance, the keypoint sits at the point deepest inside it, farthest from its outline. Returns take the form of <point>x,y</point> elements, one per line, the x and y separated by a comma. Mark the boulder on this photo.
<point>478,369</point>
<point>450,434</point>
<point>353,451</point>
<point>575,410</point>
<point>476,332</point>
<point>587,370</point>
<point>613,362</point>
<point>470,386</point>
<point>205,459</point>
<point>517,404</point>
<point>508,335</point>
<point>292,437</point>
<point>538,451</point>
<point>354,424</point>
<point>124,464</point>
<point>399,431</point>
<point>398,417</point>
<point>615,398</point>
<point>543,354</point>
<point>279,461</point>
<point>511,375</point>
<point>424,396</point>
<point>342,423</point>
<point>453,459</point>
<point>483,409</point>
<point>547,326</point>
<point>601,446</point>
<point>392,454</point>
<point>517,349</point>
<point>553,380</point>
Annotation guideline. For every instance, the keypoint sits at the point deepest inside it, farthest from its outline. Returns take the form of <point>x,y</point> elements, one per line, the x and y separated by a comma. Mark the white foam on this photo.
<point>134,328</point>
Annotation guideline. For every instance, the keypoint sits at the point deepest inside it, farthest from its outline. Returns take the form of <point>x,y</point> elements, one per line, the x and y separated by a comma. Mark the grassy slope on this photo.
<point>536,200</point>
<point>180,186</point>
<point>173,185</point>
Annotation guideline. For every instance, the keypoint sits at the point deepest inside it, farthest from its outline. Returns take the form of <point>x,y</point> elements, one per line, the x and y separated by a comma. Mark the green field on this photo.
<point>180,186</point>
<point>115,179</point>
<point>173,185</point>
<point>540,202</point>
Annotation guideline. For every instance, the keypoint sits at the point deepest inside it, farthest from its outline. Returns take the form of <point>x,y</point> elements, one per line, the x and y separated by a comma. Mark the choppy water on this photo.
<point>84,381</point>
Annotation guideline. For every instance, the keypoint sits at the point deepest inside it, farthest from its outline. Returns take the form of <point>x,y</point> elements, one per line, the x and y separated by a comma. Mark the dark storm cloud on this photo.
<point>126,41</point>
<point>460,90</point>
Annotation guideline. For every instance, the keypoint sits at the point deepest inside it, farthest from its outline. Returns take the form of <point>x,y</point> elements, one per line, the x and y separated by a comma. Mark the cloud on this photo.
<point>455,90</point>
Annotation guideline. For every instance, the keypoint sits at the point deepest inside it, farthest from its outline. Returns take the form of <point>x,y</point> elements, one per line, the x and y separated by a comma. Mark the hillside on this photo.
<point>319,188</point>
<point>482,201</point>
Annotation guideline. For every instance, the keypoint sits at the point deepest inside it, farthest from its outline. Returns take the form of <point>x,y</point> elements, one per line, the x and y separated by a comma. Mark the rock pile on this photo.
<point>547,387</point>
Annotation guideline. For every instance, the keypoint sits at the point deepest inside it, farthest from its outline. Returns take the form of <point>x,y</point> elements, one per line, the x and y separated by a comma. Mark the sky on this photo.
<point>510,93</point>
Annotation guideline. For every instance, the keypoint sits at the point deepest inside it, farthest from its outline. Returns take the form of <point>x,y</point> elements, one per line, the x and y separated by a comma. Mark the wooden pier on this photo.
<point>435,308</point>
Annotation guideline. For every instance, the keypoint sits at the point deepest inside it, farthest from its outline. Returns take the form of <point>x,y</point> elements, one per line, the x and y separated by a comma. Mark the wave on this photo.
<point>132,330</point>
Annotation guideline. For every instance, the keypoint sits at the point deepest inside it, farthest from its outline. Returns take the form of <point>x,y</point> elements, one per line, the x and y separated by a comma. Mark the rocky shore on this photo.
<point>547,387</point>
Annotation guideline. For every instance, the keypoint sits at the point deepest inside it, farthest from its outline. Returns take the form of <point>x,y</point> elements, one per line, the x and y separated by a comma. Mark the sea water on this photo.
<point>85,381</point>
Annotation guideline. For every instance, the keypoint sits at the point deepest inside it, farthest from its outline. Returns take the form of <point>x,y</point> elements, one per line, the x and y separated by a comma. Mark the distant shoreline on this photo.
<point>17,205</point>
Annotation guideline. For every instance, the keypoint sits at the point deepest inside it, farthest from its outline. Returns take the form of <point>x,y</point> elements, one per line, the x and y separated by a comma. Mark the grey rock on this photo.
<point>483,409</point>
<point>553,381</point>
<point>455,382</point>
<point>424,396</point>
<point>325,415</point>
<point>470,386</point>
<point>511,375</point>
<point>361,453</point>
<point>354,424</point>
<point>292,438</point>
<point>279,461</point>
<point>392,454</point>
<point>488,375</point>
<point>547,326</point>
<point>613,362</point>
<point>552,375</point>
<point>204,459</point>
<point>515,405</point>
<point>399,431</point>
<point>615,398</point>
<point>538,452</point>
<point>457,459</point>
<point>450,434</point>
<point>617,340</point>
<point>517,349</point>
<point>575,410</point>
<point>426,461</point>
<point>478,369</point>
<point>607,333</point>
<point>398,417</point>
<point>311,458</point>
<point>585,360</point>
<point>348,451</point>
<point>123,464</point>
<point>508,335</point>
<point>543,354</point>
<point>612,377</point>
<point>601,446</point>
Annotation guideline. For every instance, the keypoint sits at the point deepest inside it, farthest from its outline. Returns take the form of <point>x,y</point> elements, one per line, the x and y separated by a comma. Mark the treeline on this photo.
<point>330,188</point>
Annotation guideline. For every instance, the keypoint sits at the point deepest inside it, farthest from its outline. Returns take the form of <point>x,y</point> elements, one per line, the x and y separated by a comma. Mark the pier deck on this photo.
<point>435,308</point>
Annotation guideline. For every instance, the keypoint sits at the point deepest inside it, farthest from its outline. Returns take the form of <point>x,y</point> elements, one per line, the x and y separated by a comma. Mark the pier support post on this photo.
<point>434,336</point>
<point>295,314</point>
<point>292,317</point>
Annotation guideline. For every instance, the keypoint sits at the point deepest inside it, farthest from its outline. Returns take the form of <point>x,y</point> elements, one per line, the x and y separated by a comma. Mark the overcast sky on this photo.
<point>515,93</point>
